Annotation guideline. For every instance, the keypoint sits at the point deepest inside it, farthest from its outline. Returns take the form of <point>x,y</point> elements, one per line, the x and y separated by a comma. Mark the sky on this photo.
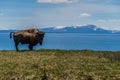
<point>22,14</point>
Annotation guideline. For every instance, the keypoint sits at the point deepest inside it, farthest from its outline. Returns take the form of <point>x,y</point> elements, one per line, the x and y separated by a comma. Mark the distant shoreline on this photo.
<point>27,50</point>
<point>7,31</point>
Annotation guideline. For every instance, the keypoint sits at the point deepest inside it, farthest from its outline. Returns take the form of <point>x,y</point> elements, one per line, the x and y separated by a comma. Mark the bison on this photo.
<point>29,36</point>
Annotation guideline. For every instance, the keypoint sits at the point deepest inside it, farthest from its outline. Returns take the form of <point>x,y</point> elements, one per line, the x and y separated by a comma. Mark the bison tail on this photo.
<point>11,34</point>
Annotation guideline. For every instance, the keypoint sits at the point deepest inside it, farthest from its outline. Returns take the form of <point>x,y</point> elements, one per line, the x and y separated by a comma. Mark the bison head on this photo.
<point>40,36</point>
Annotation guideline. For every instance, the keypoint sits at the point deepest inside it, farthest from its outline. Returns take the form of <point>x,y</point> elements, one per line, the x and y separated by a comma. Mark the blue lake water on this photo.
<point>67,41</point>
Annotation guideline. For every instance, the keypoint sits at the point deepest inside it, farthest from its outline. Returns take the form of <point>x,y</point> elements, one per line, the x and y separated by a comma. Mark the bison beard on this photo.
<point>29,36</point>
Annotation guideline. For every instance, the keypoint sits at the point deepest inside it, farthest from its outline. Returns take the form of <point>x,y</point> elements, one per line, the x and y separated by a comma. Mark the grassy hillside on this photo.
<point>59,65</point>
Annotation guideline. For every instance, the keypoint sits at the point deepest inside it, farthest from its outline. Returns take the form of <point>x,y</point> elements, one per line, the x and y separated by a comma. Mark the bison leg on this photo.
<point>31,47</point>
<point>16,45</point>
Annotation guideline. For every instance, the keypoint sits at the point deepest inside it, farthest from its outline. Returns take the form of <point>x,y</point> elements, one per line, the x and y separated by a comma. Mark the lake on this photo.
<point>68,41</point>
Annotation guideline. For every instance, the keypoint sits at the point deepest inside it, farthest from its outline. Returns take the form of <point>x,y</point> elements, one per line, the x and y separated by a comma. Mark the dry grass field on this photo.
<point>59,65</point>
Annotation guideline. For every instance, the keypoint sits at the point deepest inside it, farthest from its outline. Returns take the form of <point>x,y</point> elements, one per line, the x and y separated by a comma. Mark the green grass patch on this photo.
<point>60,65</point>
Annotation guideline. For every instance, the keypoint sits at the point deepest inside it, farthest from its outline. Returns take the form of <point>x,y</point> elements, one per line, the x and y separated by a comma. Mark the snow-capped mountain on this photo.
<point>79,29</point>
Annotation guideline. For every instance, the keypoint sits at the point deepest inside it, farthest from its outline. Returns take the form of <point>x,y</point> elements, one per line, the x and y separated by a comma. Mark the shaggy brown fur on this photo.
<point>29,36</point>
<point>27,32</point>
<point>31,30</point>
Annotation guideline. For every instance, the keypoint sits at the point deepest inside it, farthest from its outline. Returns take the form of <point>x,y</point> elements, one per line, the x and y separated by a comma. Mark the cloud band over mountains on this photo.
<point>20,14</point>
<point>56,1</point>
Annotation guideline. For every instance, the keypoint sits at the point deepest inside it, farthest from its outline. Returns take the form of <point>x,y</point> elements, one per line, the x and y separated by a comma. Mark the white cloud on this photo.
<point>111,24</point>
<point>112,20</point>
<point>56,1</point>
<point>1,14</point>
<point>85,15</point>
<point>81,12</point>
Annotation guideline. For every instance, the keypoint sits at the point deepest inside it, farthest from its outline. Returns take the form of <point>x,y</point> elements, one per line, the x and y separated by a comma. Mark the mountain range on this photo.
<point>88,29</point>
<point>79,29</point>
